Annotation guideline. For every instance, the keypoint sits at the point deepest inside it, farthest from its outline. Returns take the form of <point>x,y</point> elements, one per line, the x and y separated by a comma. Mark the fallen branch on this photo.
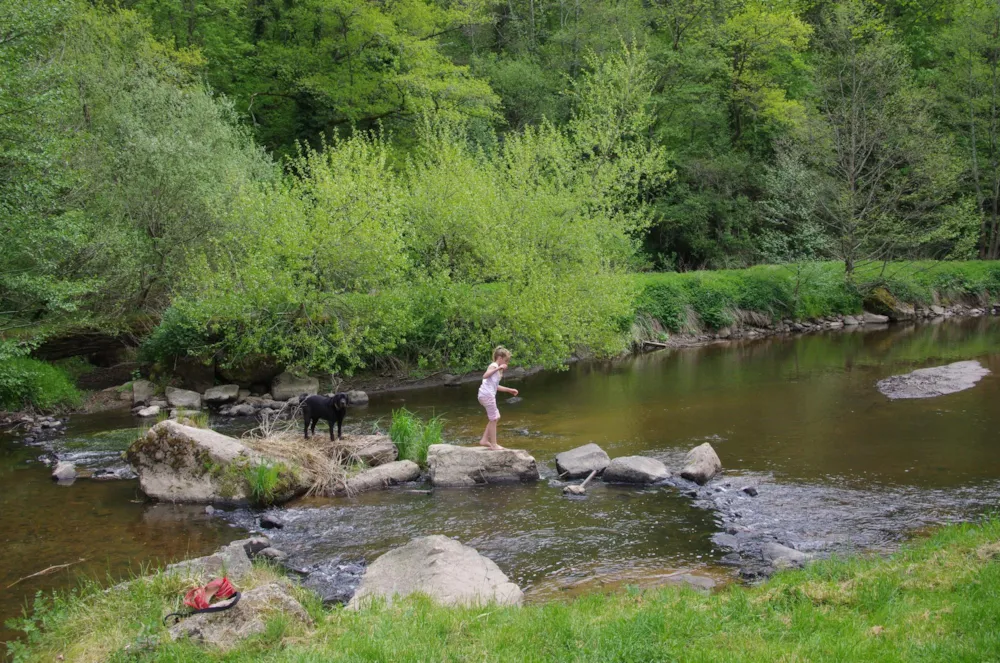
<point>47,571</point>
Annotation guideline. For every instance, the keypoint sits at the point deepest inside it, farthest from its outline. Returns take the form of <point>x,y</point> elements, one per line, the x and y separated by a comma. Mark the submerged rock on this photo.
<point>64,471</point>
<point>580,462</point>
<point>287,385</point>
<point>179,463</point>
<point>247,618</point>
<point>936,381</point>
<point>442,568</point>
<point>452,465</point>
<point>383,476</point>
<point>701,464</point>
<point>782,557</point>
<point>357,397</point>
<point>635,469</point>
<point>182,398</point>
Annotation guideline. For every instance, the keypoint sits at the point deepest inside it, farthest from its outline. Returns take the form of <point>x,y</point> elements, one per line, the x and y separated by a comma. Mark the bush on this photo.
<point>30,383</point>
<point>413,437</point>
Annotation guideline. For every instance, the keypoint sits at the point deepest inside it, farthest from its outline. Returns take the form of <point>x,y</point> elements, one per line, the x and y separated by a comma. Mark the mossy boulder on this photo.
<point>178,463</point>
<point>883,302</point>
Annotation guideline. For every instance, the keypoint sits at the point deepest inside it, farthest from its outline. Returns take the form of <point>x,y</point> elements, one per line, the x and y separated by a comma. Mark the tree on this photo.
<point>970,83</point>
<point>885,170</point>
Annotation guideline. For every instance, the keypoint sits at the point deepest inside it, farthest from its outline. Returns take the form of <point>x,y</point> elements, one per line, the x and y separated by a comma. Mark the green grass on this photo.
<point>715,299</point>
<point>936,600</point>
<point>30,383</point>
<point>413,437</point>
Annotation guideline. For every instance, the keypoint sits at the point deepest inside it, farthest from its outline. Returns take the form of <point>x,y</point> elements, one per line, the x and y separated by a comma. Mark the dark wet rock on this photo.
<point>231,560</point>
<point>288,385</point>
<point>635,469</point>
<point>226,393</point>
<point>194,375</point>
<point>255,544</point>
<point>183,398</point>
<point>258,371</point>
<point>442,568</point>
<point>271,521</point>
<point>781,556</point>
<point>726,541</point>
<point>452,465</point>
<point>142,392</point>
<point>113,474</point>
<point>247,618</point>
<point>450,380</point>
<point>936,381</point>
<point>64,472</point>
<point>701,464</point>
<point>750,490</point>
<point>273,554</point>
<point>175,462</point>
<point>383,476</point>
<point>580,462</point>
<point>357,397</point>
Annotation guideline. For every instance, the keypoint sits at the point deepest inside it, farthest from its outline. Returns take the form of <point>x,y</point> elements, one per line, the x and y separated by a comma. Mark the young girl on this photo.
<point>488,395</point>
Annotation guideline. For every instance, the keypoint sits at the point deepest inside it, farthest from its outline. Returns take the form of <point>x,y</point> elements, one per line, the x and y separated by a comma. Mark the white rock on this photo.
<point>383,476</point>
<point>226,393</point>
<point>439,567</point>
<point>64,471</point>
<point>182,398</point>
<point>150,411</point>
<point>935,381</point>
<point>142,392</point>
<point>580,462</point>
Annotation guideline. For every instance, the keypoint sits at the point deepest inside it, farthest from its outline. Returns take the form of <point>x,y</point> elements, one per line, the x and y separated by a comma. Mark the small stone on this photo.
<point>751,491</point>
<point>270,521</point>
<point>150,411</point>
<point>255,544</point>
<point>210,510</point>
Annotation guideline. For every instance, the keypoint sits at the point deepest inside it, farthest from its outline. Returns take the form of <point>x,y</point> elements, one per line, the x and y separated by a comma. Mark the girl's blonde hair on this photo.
<point>501,351</point>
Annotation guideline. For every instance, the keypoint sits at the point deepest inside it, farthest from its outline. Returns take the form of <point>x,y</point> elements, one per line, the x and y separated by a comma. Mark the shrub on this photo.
<point>26,382</point>
<point>413,437</point>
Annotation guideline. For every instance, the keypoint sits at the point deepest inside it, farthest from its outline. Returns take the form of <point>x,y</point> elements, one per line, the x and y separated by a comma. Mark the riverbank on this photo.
<point>665,310</point>
<point>935,599</point>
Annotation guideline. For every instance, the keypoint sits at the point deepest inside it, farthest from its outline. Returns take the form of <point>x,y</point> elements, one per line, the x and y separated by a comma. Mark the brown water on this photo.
<point>837,464</point>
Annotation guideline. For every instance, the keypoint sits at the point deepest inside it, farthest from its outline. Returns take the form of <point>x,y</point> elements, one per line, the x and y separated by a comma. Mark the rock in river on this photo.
<point>580,462</point>
<point>287,385</point>
<point>64,471</point>
<point>383,476</point>
<point>179,463</point>
<point>442,568</point>
<point>146,412</point>
<point>635,469</point>
<point>226,393</point>
<point>182,398</point>
<point>452,465</point>
<point>357,397</point>
<point>370,450</point>
<point>142,392</point>
<point>701,464</point>
<point>936,381</point>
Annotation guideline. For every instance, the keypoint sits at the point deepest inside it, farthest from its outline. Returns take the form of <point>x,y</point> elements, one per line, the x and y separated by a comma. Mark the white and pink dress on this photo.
<point>488,394</point>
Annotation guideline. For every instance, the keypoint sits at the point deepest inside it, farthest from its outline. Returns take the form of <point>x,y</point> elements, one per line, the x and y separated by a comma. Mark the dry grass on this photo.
<point>320,464</point>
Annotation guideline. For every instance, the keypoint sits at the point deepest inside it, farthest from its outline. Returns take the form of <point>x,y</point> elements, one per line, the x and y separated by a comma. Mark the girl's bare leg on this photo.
<point>485,439</point>
<point>493,435</point>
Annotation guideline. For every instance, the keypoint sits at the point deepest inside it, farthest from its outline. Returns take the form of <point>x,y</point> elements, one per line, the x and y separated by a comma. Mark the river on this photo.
<point>837,465</point>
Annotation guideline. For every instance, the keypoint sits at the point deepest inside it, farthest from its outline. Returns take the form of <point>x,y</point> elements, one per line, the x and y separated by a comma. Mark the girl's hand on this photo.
<point>512,392</point>
<point>502,367</point>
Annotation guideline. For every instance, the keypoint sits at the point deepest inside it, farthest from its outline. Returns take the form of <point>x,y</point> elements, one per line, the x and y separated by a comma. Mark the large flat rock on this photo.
<point>936,381</point>
<point>178,463</point>
<point>452,465</point>
<point>635,469</point>
<point>183,398</point>
<point>383,476</point>
<point>580,462</point>
<point>442,568</point>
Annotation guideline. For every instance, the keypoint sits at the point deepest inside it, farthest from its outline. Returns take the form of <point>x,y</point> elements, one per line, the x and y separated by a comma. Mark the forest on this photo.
<point>338,185</point>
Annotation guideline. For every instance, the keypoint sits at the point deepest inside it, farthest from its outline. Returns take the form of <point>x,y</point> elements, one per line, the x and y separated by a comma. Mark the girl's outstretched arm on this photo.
<point>508,390</point>
<point>494,367</point>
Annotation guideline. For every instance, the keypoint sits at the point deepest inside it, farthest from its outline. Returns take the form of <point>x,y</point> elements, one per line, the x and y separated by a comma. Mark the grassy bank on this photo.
<point>713,299</point>
<point>936,600</point>
<point>30,383</point>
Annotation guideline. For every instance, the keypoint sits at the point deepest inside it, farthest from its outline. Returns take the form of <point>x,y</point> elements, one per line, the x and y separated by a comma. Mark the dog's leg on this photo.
<point>340,425</point>
<point>305,416</point>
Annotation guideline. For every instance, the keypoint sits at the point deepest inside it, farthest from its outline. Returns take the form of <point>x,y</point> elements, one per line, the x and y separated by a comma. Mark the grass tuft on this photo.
<point>413,437</point>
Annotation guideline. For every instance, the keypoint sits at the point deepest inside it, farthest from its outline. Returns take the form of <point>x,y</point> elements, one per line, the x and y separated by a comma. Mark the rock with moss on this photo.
<point>178,463</point>
<point>882,302</point>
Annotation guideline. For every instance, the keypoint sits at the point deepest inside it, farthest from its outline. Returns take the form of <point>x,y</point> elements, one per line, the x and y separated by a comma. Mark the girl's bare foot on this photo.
<point>496,447</point>
<point>485,443</point>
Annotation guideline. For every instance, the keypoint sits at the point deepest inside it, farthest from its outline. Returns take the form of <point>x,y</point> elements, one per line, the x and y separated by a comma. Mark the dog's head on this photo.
<point>339,400</point>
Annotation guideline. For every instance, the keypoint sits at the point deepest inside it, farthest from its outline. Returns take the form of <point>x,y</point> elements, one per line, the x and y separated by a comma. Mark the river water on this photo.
<point>837,465</point>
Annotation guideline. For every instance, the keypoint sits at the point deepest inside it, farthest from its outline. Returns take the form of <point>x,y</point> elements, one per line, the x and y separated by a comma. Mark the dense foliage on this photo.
<point>338,184</point>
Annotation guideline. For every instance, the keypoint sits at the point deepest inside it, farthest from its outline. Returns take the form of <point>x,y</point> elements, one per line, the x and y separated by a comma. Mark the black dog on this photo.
<point>329,408</point>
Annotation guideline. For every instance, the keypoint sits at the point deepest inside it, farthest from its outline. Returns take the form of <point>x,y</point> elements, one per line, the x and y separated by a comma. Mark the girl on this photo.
<point>488,395</point>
